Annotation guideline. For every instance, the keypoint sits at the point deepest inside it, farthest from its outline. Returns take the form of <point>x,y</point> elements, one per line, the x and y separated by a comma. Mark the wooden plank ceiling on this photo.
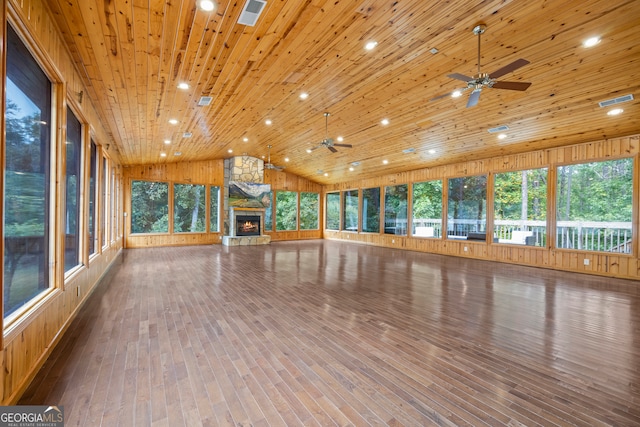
<point>134,53</point>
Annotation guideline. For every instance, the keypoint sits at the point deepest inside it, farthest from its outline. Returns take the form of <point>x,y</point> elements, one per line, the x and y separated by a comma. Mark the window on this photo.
<point>467,211</point>
<point>594,206</point>
<point>188,208</point>
<point>214,209</point>
<point>149,207</point>
<point>371,210</point>
<point>350,210</point>
<point>286,210</point>
<point>268,213</point>
<point>72,148</point>
<point>93,172</point>
<point>395,210</point>
<point>427,209</point>
<point>105,205</point>
<point>27,177</point>
<point>520,207</point>
<point>333,211</point>
<point>309,211</point>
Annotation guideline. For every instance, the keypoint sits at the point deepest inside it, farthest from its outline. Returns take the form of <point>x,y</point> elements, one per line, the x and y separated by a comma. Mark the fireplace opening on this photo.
<point>248,225</point>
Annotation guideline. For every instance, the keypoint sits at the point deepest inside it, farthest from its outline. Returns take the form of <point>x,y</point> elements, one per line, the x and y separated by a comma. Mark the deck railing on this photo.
<point>582,235</point>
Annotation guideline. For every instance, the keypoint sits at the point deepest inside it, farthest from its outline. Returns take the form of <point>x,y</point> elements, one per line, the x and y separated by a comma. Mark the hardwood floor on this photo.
<point>331,333</point>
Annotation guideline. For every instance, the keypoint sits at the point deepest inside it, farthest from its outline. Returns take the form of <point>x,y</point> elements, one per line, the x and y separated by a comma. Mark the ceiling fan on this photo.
<point>268,164</point>
<point>484,80</point>
<point>328,142</point>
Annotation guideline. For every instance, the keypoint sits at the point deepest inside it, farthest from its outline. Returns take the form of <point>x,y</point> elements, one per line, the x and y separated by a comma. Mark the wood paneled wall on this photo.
<point>28,341</point>
<point>206,173</point>
<point>607,264</point>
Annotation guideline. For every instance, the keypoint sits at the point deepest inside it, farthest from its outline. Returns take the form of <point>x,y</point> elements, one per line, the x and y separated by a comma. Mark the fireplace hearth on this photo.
<point>245,227</point>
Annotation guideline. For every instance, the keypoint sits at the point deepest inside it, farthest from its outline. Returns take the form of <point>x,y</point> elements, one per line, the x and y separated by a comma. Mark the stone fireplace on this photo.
<point>244,218</point>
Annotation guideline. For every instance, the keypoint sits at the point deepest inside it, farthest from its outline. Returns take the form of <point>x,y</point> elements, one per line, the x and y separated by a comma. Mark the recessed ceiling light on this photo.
<point>371,45</point>
<point>245,139</point>
<point>502,136</point>
<point>173,121</point>
<point>385,161</point>
<point>456,94</point>
<point>351,169</point>
<point>384,122</point>
<point>286,159</point>
<point>326,174</point>
<point>230,150</point>
<point>167,141</point>
<point>432,151</point>
<point>591,41</point>
<point>268,122</point>
<point>304,95</point>
<point>207,5</point>
<point>163,154</point>
<point>309,150</point>
<point>340,139</point>
<point>615,112</point>
<point>183,86</point>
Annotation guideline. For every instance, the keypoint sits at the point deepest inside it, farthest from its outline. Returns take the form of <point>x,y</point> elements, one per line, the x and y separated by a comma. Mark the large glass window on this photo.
<point>520,207</point>
<point>105,202</point>
<point>214,209</point>
<point>93,174</point>
<point>149,207</point>
<point>427,209</point>
<point>371,210</point>
<point>268,213</point>
<point>350,210</point>
<point>309,210</point>
<point>333,211</point>
<point>73,148</point>
<point>286,210</point>
<point>594,206</point>
<point>188,208</point>
<point>395,209</point>
<point>27,177</point>
<point>467,208</point>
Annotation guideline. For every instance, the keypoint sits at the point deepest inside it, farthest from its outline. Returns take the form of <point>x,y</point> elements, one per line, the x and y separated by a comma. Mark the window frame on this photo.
<point>53,269</point>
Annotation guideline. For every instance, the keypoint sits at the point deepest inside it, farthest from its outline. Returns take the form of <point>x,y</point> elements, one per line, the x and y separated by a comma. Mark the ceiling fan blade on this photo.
<point>343,145</point>
<point>458,76</point>
<point>441,96</point>
<point>333,150</point>
<point>473,98</point>
<point>511,85</point>
<point>509,68</point>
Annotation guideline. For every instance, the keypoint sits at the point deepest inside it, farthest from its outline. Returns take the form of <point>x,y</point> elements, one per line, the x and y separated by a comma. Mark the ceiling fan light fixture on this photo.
<point>456,94</point>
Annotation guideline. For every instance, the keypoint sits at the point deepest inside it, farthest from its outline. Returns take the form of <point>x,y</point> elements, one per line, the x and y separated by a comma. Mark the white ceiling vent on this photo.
<point>205,100</point>
<point>498,129</point>
<point>617,100</point>
<point>251,11</point>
